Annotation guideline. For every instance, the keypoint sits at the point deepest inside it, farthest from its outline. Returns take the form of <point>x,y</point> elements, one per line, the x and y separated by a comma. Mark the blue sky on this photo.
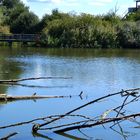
<point>95,7</point>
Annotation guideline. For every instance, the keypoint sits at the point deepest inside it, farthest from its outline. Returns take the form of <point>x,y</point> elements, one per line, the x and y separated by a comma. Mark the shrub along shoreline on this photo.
<point>69,30</point>
<point>88,32</point>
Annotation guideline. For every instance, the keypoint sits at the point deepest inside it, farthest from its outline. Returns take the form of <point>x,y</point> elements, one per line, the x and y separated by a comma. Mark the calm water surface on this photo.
<point>95,72</point>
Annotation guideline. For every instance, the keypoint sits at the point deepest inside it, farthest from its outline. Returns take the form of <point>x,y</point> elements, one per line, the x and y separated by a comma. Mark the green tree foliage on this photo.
<point>111,17</point>
<point>129,34</point>
<point>14,13</point>
<point>135,16</point>
<point>106,31</point>
<point>4,29</point>
<point>24,23</point>
<point>47,18</point>
<point>80,31</point>
<point>18,17</point>
<point>9,4</point>
<point>1,16</point>
<point>69,30</point>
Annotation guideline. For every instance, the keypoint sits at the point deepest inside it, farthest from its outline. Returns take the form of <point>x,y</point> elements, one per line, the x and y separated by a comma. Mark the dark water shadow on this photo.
<point>72,137</point>
<point>39,135</point>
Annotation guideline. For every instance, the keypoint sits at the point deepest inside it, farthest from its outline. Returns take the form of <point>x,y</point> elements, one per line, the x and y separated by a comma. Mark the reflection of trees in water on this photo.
<point>91,53</point>
<point>8,70</point>
<point>69,136</point>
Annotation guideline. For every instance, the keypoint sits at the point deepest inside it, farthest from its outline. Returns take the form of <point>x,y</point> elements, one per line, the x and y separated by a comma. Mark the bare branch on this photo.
<point>9,136</point>
<point>35,128</point>
<point>122,105</point>
<point>100,122</point>
<point>39,119</point>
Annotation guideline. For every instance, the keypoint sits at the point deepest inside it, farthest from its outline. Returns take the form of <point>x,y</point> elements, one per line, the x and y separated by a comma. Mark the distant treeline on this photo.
<point>70,30</point>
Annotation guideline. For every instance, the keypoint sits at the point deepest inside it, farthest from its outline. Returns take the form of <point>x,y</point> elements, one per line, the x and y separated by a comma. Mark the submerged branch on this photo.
<point>39,119</point>
<point>9,136</point>
<point>35,128</point>
<point>100,122</point>
<point>33,78</point>
<point>122,106</point>
<point>87,122</point>
<point>36,86</point>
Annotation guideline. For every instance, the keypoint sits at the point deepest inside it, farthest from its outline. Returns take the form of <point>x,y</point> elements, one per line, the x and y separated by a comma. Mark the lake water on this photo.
<point>94,72</point>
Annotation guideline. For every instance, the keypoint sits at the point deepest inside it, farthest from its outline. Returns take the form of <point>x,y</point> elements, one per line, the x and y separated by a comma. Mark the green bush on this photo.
<point>4,29</point>
<point>128,35</point>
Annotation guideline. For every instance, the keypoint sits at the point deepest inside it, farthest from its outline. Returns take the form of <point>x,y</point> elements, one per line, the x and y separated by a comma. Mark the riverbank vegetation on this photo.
<point>70,30</point>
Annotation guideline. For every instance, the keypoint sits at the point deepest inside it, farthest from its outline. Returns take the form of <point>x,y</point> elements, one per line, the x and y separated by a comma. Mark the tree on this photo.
<point>10,3</point>
<point>13,13</point>
<point>18,17</point>
<point>54,16</point>
<point>25,23</point>
<point>1,16</point>
<point>4,29</point>
<point>135,16</point>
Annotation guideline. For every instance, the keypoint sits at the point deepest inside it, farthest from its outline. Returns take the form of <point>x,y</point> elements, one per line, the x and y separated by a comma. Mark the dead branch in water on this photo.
<point>37,127</point>
<point>100,122</point>
<point>33,78</point>
<point>87,122</point>
<point>5,97</point>
<point>91,120</point>
<point>41,118</point>
<point>9,136</point>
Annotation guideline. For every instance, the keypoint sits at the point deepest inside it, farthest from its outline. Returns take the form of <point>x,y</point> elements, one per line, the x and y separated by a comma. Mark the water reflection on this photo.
<point>68,136</point>
<point>122,132</point>
<point>95,72</point>
<point>8,70</point>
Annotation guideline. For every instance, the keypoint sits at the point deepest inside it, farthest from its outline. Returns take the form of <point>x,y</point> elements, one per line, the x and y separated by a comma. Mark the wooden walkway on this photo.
<point>19,38</point>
